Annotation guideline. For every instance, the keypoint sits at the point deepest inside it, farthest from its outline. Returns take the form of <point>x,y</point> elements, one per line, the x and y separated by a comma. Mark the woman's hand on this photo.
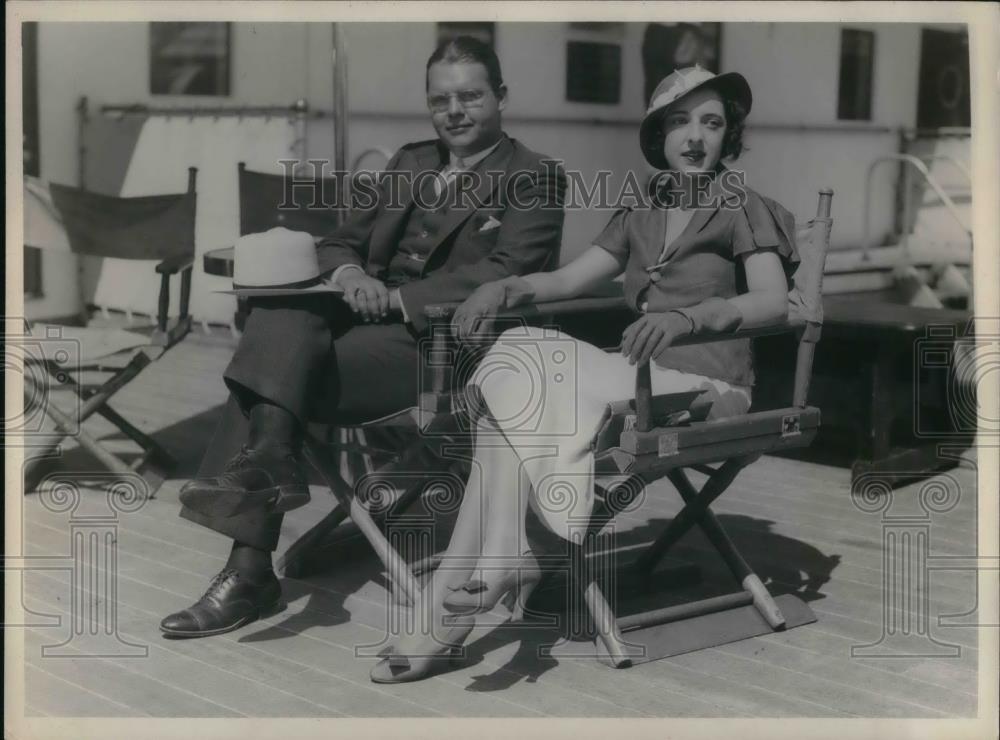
<point>653,333</point>
<point>474,317</point>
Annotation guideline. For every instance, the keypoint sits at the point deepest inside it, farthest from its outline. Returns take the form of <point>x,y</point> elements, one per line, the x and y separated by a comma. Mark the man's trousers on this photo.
<point>308,355</point>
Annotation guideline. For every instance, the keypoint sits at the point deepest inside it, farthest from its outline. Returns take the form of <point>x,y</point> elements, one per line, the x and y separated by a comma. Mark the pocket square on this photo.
<point>490,224</point>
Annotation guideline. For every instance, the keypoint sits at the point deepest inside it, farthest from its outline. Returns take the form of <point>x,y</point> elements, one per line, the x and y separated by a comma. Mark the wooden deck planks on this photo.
<point>301,662</point>
<point>56,696</point>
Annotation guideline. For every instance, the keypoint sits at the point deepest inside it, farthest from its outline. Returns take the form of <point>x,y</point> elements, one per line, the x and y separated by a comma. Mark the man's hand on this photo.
<point>365,295</point>
<point>652,334</point>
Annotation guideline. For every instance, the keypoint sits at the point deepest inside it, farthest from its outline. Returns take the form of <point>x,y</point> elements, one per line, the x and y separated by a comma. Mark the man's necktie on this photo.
<point>447,176</point>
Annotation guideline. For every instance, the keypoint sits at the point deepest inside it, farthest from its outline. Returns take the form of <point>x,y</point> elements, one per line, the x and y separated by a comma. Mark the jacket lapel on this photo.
<point>498,160</point>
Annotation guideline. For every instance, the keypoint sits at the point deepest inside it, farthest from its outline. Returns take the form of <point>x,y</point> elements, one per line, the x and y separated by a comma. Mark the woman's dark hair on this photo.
<point>468,49</point>
<point>736,116</point>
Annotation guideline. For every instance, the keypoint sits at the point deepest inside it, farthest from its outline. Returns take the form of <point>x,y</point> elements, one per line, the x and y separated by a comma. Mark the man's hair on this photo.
<point>467,49</point>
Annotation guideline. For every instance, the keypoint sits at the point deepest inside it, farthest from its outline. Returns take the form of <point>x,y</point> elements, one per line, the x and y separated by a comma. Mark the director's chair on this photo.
<point>158,227</point>
<point>648,438</point>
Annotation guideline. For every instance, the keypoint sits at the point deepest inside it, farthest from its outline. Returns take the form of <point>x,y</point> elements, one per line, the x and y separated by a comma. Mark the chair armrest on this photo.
<point>748,333</point>
<point>444,311</point>
<point>167,268</point>
<point>173,265</point>
<point>441,312</point>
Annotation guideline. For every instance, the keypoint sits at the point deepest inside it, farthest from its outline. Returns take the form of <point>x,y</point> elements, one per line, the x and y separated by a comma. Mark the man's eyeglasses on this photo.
<point>466,98</point>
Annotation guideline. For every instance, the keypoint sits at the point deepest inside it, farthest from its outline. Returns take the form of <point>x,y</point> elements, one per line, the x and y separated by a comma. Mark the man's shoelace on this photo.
<point>220,579</point>
<point>241,457</point>
<point>244,455</point>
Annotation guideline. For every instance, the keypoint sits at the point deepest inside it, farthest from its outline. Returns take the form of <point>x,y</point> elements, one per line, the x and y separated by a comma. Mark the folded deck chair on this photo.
<point>159,227</point>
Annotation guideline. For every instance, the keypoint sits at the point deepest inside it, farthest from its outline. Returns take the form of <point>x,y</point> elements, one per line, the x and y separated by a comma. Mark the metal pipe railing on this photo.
<point>298,108</point>
<point>959,164</point>
<point>918,165</point>
<point>340,109</point>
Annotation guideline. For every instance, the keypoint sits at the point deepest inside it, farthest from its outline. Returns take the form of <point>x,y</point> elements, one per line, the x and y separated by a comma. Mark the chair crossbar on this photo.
<point>684,611</point>
<point>397,568</point>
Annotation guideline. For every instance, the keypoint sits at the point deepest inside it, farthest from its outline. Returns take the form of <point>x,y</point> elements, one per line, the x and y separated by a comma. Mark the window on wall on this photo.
<point>670,46</point>
<point>484,32</point>
<point>593,72</point>
<point>943,98</point>
<point>857,66</point>
<point>189,58</point>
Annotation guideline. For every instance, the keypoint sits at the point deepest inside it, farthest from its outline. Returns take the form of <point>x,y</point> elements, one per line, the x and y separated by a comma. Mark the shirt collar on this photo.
<point>467,163</point>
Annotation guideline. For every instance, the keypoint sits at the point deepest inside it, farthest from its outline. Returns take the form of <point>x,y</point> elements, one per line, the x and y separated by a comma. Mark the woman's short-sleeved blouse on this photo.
<point>703,262</point>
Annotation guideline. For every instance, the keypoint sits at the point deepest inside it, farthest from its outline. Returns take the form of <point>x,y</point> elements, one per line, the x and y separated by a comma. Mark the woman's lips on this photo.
<point>694,157</point>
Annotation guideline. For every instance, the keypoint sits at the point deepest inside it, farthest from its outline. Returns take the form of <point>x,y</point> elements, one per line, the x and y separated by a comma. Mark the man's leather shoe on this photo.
<point>230,602</point>
<point>254,479</point>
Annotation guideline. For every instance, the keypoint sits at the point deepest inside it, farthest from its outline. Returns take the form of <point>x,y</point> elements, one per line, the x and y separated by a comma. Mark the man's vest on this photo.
<point>420,235</point>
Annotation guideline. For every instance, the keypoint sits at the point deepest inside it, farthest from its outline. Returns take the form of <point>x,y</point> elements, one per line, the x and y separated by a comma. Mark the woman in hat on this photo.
<point>709,256</point>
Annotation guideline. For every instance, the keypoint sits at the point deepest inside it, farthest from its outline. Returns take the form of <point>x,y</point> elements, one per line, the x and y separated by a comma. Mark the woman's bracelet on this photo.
<point>689,319</point>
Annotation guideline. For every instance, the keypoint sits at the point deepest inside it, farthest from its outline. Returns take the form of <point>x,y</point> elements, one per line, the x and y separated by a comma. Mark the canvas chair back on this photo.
<point>154,227</point>
<point>268,200</point>
<point>805,303</point>
<point>805,299</point>
<point>150,228</point>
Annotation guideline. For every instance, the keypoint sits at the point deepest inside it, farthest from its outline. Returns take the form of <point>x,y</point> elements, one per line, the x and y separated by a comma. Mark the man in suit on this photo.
<point>323,358</point>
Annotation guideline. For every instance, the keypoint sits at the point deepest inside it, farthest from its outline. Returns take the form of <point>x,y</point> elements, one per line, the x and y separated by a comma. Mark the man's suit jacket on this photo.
<point>464,256</point>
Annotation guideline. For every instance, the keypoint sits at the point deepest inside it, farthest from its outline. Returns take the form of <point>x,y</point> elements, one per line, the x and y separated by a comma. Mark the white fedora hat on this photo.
<point>276,262</point>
